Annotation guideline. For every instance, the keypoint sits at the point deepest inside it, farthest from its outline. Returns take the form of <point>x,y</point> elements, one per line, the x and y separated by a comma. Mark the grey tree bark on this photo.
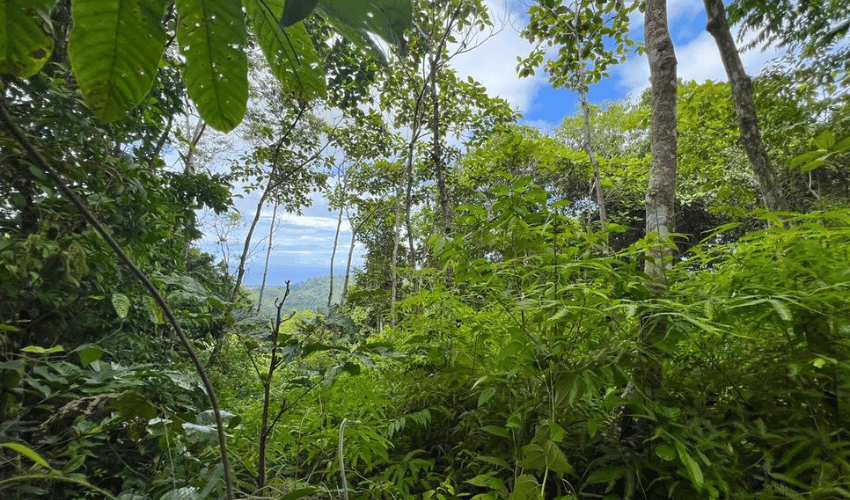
<point>660,199</point>
<point>661,192</point>
<point>333,255</point>
<point>268,255</point>
<point>742,92</point>
<point>588,148</point>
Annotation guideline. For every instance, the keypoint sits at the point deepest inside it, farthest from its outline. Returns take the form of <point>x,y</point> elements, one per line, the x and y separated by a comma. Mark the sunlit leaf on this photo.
<point>289,52</point>
<point>358,20</point>
<point>34,349</point>
<point>121,304</point>
<point>27,452</point>
<point>212,35</point>
<point>26,36</point>
<point>115,47</point>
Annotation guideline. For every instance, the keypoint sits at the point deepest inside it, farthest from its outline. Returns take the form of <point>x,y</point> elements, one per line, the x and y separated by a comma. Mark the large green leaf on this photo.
<point>357,20</point>
<point>297,10</point>
<point>289,51</point>
<point>212,35</point>
<point>26,36</point>
<point>115,47</point>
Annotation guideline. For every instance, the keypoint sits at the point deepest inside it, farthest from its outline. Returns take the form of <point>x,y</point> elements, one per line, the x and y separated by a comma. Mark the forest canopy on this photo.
<point>649,301</point>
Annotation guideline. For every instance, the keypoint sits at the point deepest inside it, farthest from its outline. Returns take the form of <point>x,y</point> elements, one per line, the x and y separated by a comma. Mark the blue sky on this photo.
<point>303,243</point>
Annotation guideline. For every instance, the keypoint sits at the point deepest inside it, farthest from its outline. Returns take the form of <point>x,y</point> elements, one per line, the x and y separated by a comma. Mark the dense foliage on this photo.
<point>502,339</point>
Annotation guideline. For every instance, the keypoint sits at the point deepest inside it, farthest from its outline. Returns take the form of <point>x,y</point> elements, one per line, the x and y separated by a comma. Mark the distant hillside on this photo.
<point>308,295</point>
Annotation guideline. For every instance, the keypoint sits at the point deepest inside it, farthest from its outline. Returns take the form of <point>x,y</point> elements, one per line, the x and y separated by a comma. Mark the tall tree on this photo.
<point>742,91</point>
<point>593,35</point>
<point>660,201</point>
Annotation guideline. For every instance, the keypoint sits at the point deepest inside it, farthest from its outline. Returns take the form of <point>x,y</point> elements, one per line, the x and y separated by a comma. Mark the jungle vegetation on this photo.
<point>650,302</point>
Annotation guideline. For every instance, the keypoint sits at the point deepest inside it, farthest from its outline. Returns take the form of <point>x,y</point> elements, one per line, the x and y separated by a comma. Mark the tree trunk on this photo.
<point>333,255</point>
<point>394,261</point>
<point>408,202</point>
<point>354,232</point>
<point>348,266</point>
<point>436,151</point>
<point>660,198</point>
<point>268,254</point>
<point>661,193</point>
<point>742,92</point>
<point>597,177</point>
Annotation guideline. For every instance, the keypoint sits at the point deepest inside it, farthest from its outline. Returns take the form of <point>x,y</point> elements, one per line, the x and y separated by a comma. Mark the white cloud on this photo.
<point>697,60</point>
<point>494,63</point>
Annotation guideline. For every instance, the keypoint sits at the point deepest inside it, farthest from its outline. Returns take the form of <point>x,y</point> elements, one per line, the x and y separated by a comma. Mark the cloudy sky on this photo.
<point>302,244</point>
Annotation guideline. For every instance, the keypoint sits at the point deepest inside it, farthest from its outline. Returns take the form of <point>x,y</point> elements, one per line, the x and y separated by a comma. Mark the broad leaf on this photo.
<point>665,452</point>
<point>89,353</point>
<point>132,405</point>
<point>488,481</point>
<point>289,52</point>
<point>26,36</point>
<point>297,10</point>
<point>115,47</point>
<point>121,304</point>
<point>211,34</point>
<point>357,20</point>
<point>526,487</point>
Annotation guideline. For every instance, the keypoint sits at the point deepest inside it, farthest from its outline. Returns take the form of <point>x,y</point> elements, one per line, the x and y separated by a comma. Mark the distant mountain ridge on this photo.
<point>307,295</point>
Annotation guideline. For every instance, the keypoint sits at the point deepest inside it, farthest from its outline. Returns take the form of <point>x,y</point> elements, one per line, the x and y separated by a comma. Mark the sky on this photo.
<point>302,244</point>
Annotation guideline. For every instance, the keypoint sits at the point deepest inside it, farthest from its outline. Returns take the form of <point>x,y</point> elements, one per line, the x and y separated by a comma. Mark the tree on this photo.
<point>660,202</point>
<point>593,35</point>
<point>813,31</point>
<point>115,52</point>
<point>742,90</point>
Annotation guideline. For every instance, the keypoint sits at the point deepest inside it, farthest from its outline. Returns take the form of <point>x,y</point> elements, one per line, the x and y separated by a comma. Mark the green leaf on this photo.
<point>825,140</point>
<point>843,145</point>
<point>488,481</point>
<point>298,493</point>
<point>26,36</point>
<point>526,487</point>
<point>290,52</point>
<point>121,304</point>
<point>591,427</point>
<point>357,19</point>
<point>115,47</point>
<point>351,368</point>
<point>212,35</point>
<point>486,395</point>
<point>89,353</point>
<point>27,452</point>
<point>781,309</point>
<point>9,379</point>
<point>34,349</point>
<point>152,309</point>
<point>806,158</point>
<point>496,431</point>
<point>812,165</point>
<point>665,452</point>
<point>132,405</point>
<point>297,10</point>
<point>691,465</point>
